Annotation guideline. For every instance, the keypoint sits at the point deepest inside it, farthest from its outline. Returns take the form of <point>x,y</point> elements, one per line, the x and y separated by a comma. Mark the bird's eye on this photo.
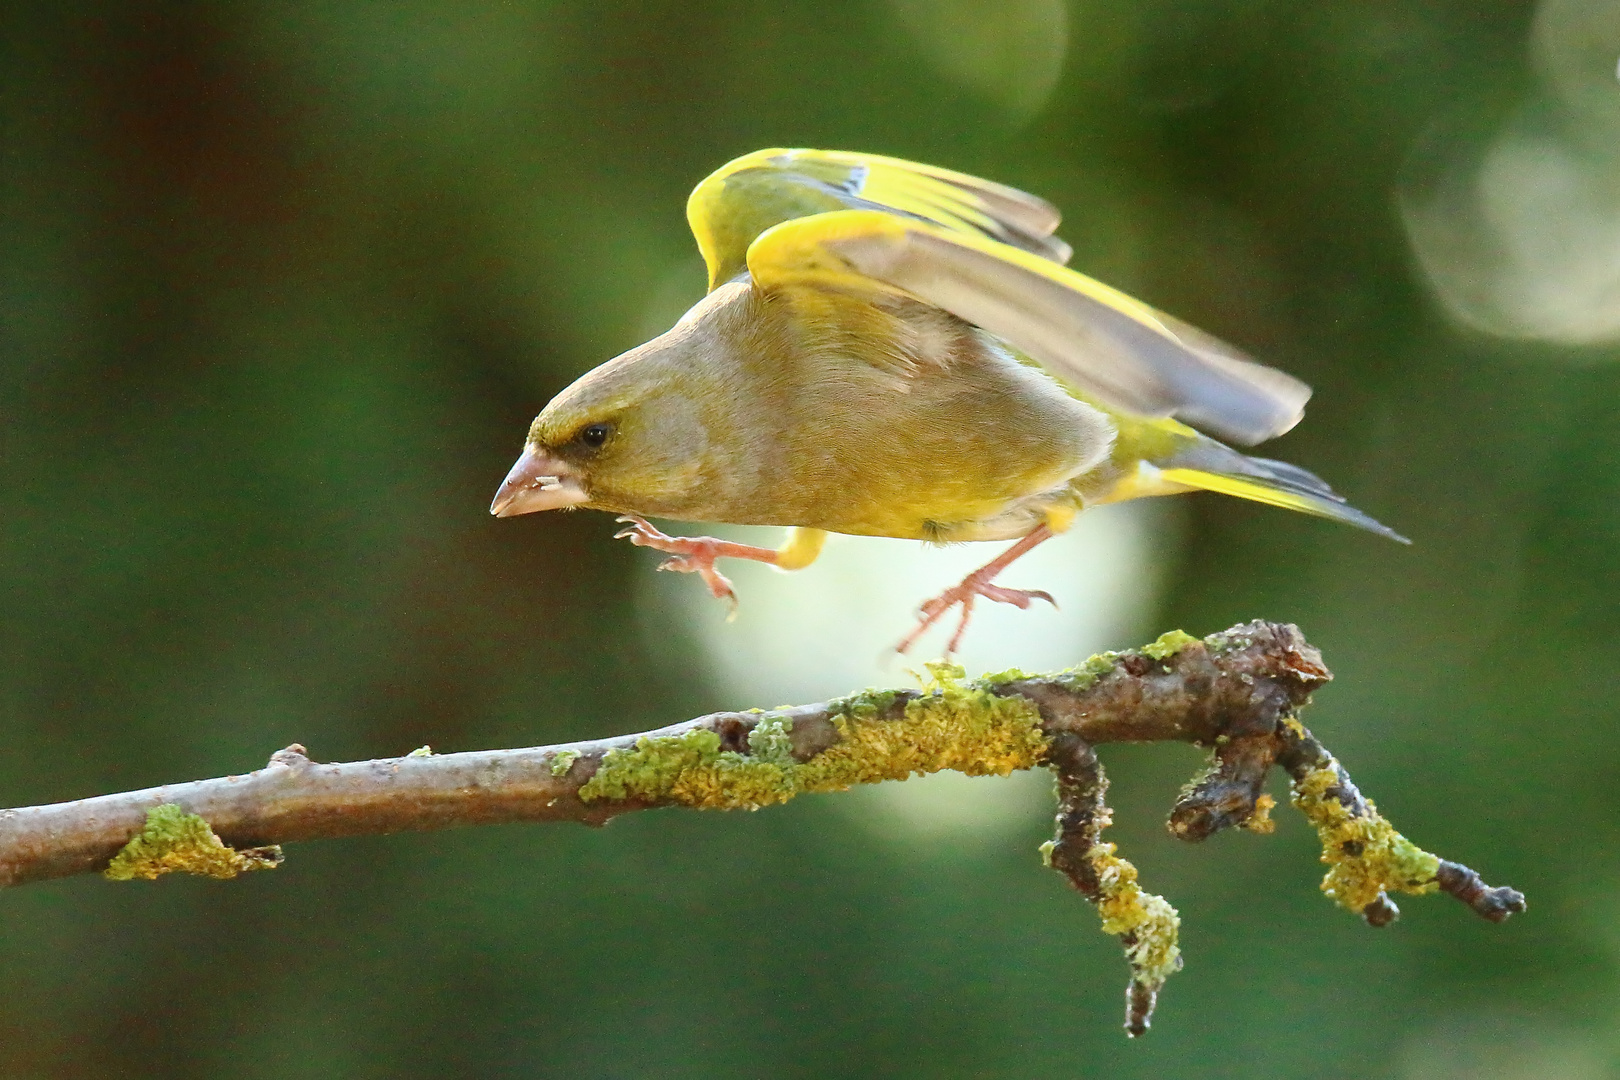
<point>594,435</point>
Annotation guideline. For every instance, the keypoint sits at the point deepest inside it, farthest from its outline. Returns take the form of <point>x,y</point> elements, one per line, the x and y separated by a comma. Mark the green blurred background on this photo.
<point>281,285</point>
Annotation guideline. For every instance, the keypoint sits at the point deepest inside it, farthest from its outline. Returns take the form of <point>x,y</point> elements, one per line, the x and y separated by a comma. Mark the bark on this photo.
<point>1237,693</point>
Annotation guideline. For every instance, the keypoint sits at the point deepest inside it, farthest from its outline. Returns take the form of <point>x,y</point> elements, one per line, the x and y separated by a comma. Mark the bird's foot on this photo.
<point>694,555</point>
<point>977,584</point>
<point>974,586</point>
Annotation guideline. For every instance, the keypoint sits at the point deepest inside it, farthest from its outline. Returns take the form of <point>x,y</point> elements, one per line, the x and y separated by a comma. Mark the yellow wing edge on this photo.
<point>960,203</point>
<point>798,251</point>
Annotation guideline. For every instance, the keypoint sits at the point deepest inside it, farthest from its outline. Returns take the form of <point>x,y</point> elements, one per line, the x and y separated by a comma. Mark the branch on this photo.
<point>1236,692</point>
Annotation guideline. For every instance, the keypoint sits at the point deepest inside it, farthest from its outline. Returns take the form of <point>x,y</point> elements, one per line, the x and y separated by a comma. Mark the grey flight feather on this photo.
<point>1104,351</point>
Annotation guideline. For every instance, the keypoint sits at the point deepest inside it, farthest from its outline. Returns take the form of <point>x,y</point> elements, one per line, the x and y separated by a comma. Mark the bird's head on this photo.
<point>633,435</point>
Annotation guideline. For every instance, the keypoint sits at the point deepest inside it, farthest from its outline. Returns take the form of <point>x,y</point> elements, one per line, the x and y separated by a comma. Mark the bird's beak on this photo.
<point>537,482</point>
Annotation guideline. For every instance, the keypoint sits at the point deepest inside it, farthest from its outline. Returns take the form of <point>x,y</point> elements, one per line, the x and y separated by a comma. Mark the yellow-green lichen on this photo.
<point>1147,922</point>
<point>1364,854</point>
<point>654,767</point>
<point>943,674</point>
<point>867,705</point>
<point>174,841</point>
<point>954,725</point>
<point>1169,643</point>
<point>772,741</point>
<point>1084,676</point>
<point>1261,821</point>
<point>421,751</point>
<point>562,761</point>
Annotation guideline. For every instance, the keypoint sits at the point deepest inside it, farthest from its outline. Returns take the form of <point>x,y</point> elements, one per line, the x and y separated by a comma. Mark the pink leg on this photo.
<point>694,554</point>
<point>975,585</point>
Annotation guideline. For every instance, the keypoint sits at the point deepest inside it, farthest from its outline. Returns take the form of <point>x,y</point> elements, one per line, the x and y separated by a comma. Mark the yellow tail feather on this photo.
<point>1280,493</point>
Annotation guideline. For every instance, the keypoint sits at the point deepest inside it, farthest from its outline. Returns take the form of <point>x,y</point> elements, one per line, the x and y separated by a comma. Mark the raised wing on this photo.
<point>1101,341</point>
<point>729,209</point>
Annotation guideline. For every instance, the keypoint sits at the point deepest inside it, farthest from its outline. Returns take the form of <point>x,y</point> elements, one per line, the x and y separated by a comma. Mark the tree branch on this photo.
<point>1236,692</point>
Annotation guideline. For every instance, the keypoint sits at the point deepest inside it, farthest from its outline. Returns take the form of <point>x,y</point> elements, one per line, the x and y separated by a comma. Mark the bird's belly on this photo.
<point>984,507</point>
<point>990,475</point>
<point>1017,520</point>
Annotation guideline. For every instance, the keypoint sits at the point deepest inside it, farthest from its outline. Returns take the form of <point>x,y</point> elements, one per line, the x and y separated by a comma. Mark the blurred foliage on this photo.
<point>280,286</point>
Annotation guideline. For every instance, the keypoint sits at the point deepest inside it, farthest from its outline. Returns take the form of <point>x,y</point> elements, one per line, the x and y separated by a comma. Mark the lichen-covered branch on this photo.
<point>1146,924</point>
<point>1236,692</point>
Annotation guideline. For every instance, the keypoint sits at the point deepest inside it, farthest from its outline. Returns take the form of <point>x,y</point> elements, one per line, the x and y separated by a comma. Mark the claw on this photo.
<point>965,595</point>
<point>694,555</point>
<point>640,532</point>
<point>974,586</point>
<point>1018,598</point>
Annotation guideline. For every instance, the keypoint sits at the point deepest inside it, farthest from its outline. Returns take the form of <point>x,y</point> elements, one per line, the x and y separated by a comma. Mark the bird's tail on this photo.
<point>1212,466</point>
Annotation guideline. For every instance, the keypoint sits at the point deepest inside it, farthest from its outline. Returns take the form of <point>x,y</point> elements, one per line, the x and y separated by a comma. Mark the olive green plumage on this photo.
<point>894,350</point>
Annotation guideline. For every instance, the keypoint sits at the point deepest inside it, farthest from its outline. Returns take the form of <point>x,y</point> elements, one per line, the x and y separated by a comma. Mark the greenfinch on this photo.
<point>893,349</point>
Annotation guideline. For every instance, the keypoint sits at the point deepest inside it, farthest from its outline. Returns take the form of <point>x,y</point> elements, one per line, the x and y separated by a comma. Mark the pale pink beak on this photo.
<point>537,482</point>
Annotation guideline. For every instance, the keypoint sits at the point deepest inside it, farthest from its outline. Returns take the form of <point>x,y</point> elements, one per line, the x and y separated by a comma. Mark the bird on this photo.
<point>888,348</point>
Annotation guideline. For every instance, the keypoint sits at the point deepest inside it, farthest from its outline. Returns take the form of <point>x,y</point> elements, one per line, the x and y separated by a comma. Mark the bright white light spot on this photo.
<point>831,629</point>
<point>949,806</point>
<point>1525,243</point>
<point>1520,237</point>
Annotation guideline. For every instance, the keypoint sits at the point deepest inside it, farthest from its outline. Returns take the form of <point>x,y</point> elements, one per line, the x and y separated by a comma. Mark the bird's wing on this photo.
<point>1093,337</point>
<point>730,208</point>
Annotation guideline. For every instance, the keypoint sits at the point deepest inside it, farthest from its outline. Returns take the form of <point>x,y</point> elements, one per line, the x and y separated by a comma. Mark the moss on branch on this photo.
<point>952,725</point>
<point>1364,853</point>
<point>1235,693</point>
<point>175,842</point>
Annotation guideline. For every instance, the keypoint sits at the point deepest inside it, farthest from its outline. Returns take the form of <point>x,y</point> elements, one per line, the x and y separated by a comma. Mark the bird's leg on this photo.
<point>977,584</point>
<point>696,554</point>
